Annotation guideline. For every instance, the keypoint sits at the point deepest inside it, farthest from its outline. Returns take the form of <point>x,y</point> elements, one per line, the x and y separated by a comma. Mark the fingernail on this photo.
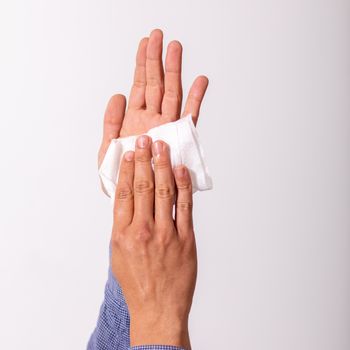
<point>158,148</point>
<point>142,141</point>
<point>179,171</point>
<point>129,156</point>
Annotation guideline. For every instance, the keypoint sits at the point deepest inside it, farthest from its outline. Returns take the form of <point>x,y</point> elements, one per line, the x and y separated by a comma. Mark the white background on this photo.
<point>273,236</point>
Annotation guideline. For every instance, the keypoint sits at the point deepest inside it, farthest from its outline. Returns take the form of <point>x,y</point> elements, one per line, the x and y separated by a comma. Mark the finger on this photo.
<point>112,124</point>
<point>172,99</point>
<point>124,198</point>
<point>183,214</point>
<point>137,93</point>
<point>164,184</point>
<point>195,97</point>
<point>154,71</point>
<point>143,180</point>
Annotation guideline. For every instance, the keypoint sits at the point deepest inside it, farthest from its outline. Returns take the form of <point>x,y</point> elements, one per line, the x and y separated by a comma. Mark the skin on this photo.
<point>153,254</point>
<point>156,94</point>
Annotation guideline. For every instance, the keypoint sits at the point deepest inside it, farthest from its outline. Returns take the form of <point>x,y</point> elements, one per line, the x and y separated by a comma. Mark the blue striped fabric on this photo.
<point>156,347</point>
<point>112,329</point>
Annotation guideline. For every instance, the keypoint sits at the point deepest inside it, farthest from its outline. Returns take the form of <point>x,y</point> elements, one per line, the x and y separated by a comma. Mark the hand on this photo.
<point>155,97</point>
<point>153,255</point>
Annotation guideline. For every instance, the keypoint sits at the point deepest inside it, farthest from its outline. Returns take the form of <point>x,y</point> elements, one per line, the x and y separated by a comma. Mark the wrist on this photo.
<point>155,330</point>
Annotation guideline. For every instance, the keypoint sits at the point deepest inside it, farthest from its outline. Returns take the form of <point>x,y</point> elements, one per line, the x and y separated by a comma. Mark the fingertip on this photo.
<point>143,141</point>
<point>115,110</point>
<point>175,45</point>
<point>141,52</point>
<point>129,156</point>
<point>200,84</point>
<point>117,99</point>
<point>144,40</point>
<point>158,33</point>
<point>180,172</point>
<point>112,122</point>
<point>158,147</point>
<point>142,49</point>
<point>182,178</point>
<point>203,78</point>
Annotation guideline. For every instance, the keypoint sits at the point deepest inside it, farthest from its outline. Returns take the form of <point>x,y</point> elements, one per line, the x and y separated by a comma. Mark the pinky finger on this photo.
<point>195,97</point>
<point>184,203</point>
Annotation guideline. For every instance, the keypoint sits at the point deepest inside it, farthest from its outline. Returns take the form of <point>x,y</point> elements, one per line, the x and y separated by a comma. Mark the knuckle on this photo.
<point>195,98</point>
<point>156,60</point>
<point>161,164</point>
<point>113,120</point>
<point>117,237</point>
<point>124,193</point>
<point>139,83</point>
<point>185,186</point>
<point>154,80</point>
<point>143,235</point>
<point>165,233</point>
<point>142,157</point>
<point>185,205</point>
<point>172,95</point>
<point>164,191</point>
<point>164,241</point>
<point>143,186</point>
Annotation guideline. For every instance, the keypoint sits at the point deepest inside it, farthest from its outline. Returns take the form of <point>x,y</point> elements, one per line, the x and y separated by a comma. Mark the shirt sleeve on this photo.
<point>156,347</point>
<point>113,324</point>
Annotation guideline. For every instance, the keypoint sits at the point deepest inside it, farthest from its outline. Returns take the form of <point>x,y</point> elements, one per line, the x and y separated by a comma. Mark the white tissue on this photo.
<point>182,138</point>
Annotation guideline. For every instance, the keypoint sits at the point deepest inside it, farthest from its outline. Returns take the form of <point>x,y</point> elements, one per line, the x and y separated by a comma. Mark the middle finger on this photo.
<point>164,184</point>
<point>143,180</point>
<point>154,72</point>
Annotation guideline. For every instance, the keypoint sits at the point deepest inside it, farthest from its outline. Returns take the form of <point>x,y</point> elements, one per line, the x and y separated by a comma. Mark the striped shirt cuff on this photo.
<point>156,347</point>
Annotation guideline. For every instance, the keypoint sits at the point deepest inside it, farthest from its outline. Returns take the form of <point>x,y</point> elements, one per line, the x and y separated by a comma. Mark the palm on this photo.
<point>156,94</point>
<point>137,122</point>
